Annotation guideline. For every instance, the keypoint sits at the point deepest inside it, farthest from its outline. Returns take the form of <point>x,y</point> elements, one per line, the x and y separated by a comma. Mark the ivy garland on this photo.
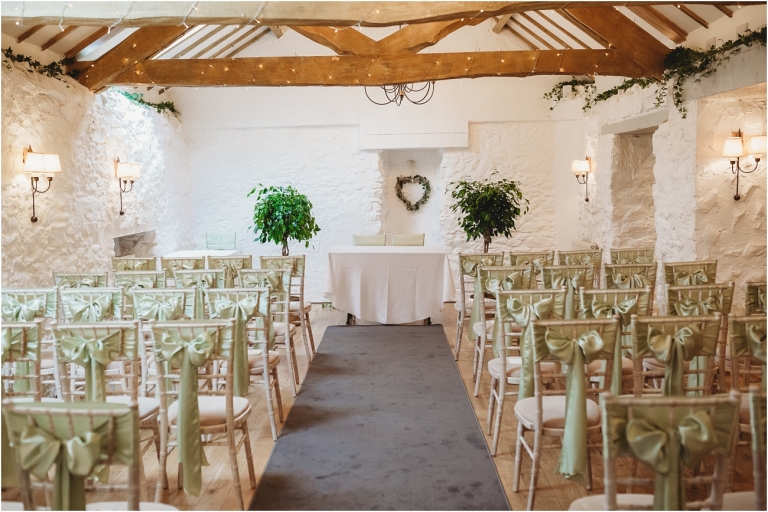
<point>417,179</point>
<point>53,70</point>
<point>679,65</point>
<point>138,98</point>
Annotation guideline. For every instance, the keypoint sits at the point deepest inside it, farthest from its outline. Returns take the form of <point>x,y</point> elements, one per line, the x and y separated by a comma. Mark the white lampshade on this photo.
<point>41,163</point>
<point>733,147</point>
<point>579,167</point>
<point>128,170</point>
<point>757,145</point>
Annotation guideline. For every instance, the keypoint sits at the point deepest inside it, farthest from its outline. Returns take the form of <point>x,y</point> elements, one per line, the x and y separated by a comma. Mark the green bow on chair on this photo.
<point>683,278</point>
<point>150,308</point>
<point>575,353</point>
<point>93,354</point>
<point>230,272</point>
<point>138,283</point>
<point>748,339</point>
<point>637,260</point>
<point>686,306</point>
<point>513,281</point>
<point>571,285</point>
<point>755,300</point>
<point>469,267</point>
<point>626,282</point>
<point>189,355</point>
<point>536,263</point>
<point>88,281</point>
<point>90,310</point>
<point>673,350</point>
<point>201,283</point>
<point>130,264</point>
<point>14,310</point>
<point>242,311</point>
<point>522,313</point>
<point>579,259</point>
<point>624,310</point>
<point>11,349</point>
<point>273,280</point>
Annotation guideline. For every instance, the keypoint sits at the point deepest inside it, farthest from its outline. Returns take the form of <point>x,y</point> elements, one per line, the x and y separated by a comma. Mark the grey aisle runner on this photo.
<point>383,422</point>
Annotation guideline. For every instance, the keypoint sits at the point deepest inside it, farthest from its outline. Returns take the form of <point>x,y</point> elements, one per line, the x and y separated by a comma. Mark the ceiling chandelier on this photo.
<point>416,93</point>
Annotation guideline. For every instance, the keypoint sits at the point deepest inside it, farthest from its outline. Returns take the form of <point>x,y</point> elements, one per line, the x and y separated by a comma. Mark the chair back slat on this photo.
<point>80,279</point>
<point>754,301</point>
<point>746,344</point>
<point>130,280</point>
<point>21,359</point>
<point>91,304</point>
<point>129,263</point>
<point>632,256</point>
<point>172,264</point>
<point>370,240</point>
<point>416,239</point>
<point>688,273</point>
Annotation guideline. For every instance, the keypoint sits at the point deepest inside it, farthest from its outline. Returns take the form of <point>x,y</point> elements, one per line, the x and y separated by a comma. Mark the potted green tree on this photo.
<point>488,208</point>
<point>282,214</point>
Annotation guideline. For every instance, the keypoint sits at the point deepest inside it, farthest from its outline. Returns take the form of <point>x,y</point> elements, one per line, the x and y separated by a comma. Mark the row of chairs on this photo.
<point>416,239</point>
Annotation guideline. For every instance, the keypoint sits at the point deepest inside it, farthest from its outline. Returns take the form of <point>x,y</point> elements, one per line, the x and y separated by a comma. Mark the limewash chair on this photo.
<point>468,265</point>
<point>230,265</point>
<point>122,264</point>
<point>370,240</point>
<point>537,259</point>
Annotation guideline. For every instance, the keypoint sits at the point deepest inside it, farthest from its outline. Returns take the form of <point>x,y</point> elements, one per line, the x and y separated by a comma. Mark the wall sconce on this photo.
<point>733,149</point>
<point>39,165</point>
<point>580,169</point>
<point>126,173</point>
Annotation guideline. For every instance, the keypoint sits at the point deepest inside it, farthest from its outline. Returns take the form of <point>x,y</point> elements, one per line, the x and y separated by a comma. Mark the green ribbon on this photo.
<point>491,284</point>
<point>757,417</point>
<point>189,355</point>
<point>536,262</point>
<point>14,310</point>
<point>201,283</point>
<point>624,310</point>
<point>130,264</point>
<point>230,271</point>
<point>686,306</point>
<point>86,281</point>
<point>10,337</point>
<point>128,284</point>
<point>90,310</point>
<point>272,279</point>
<point>755,303</point>
<point>575,353</point>
<point>150,308</point>
<point>580,259</point>
<point>93,354</point>
<point>242,311</point>
<point>673,350</point>
<point>748,339</point>
<point>683,278</point>
<point>625,282</point>
<point>183,264</point>
<point>636,260</point>
<point>571,285</point>
<point>469,265</point>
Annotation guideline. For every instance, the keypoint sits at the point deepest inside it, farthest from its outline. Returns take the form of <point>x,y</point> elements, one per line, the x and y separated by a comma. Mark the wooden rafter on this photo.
<point>533,34</point>
<point>29,33</point>
<point>624,35</point>
<point>659,22</point>
<point>584,28</point>
<point>520,37</point>
<point>198,42</point>
<point>695,17</point>
<point>214,44</point>
<point>140,45</point>
<point>545,30</point>
<point>58,37</point>
<point>723,9</point>
<point>85,43</point>
<point>501,23</point>
<point>374,70</point>
<point>234,43</point>
<point>248,43</point>
<point>343,41</point>
<point>278,31</point>
<point>563,30</point>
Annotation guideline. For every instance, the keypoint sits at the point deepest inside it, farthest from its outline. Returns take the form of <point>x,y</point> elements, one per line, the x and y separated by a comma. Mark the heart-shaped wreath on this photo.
<point>417,179</point>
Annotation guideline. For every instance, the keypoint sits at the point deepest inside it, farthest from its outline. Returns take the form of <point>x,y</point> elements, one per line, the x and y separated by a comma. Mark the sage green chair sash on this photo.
<point>172,264</point>
<point>632,256</point>
<point>757,420</point>
<point>243,306</point>
<point>667,444</point>
<point>492,279</point>
<point>690,273</point>
<point>468,263</point>
<point>699,300</point>
<point>94,348</point>
<point>231,265</point>
<point>25,304</point>
<point>576,353</point>
<point>672,345</point>
<point>48,441</point>
<point>95,305</point>
<point>571,278</point>
<point>279,284</point>
<point>536,259</point>
<point>297,263</point>
<point>748,338</point>
<point>164,304</point>
<point>87,280</point>
<point>580,258</point>
<point>626,277</point>
<point>134,264</point>
<point>755,299</point>
<point>201,280</point>
<point>139,280</point>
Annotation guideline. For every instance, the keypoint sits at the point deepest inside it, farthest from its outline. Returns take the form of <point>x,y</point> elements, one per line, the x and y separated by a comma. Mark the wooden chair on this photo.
<point>570,277</point>
<point>690,273</point>
<point>131,280</point>
<point>538,259</point>
<point>220,241</point>
<point>91,304</point>
<point>754,301</point>
<point>251,309</point>
<point>218,411</point>
<point>514,312</point>
<point>201,281</point>
<point>631,276</point>
<point>489,281</point>
<point>546,413</point>
<point>468,265</point>
<point>588,257</point>
<point>372,240</point>
<point>172,264</point>
<point>21,360</point>
<point>130,263</point>
<point>413,240</point>
<point>80,280</point>
<point>633,256</point>
<point>623,415</point>
<point>299,308</point>
<point>230,265</point>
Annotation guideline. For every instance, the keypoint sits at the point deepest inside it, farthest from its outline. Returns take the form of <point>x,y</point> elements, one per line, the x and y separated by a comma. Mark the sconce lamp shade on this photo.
<point>580,167</point>
<point>128,170</point>
<point>41,163</point>
<point>733,147</point>
<point>757,145</point>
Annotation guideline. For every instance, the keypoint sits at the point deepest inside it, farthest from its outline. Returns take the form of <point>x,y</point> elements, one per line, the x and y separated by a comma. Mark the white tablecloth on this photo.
<point>196,253</point>
<point>389,285</point>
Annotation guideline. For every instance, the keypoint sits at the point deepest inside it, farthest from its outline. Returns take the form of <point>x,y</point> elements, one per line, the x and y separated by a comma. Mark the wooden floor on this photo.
<point>553,492</point>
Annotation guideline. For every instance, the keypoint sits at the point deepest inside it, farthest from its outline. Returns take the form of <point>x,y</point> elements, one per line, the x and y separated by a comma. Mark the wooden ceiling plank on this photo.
<point>141,44</point>
<point>501,23</point>
<point>695,17</point>
<point>545,30</point>
<point>247,43</point>
<point>623,34</point>
<point>276,30</point>
<point>414,38</point>
<point>723,9</point>
<point>353,70</point>
<point>200,41</point>
<point>544,42</point>
<point>343,41</point>
<point>234,43</point>
<point>214,44</point>
<point>85,43</point>
<point>523,39</point>
<point>58,37</point>
<point>563,30</point>
<point>29,33</point>
<point>659,22</point>
<point>584,28</point>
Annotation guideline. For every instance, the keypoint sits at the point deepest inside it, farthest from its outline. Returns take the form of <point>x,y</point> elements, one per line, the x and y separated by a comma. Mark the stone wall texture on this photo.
<point>78,217</point>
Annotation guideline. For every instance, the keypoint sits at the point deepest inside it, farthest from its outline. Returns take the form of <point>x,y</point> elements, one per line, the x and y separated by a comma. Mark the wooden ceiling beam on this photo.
<point>501,22</point>
<point>624,35</point>
<point>29,33</point>
<point>660,22</point>
<point>520,37</point>
<point>695,17</point>
<point>140,45</point>
<point>584,28</point>
<point>85,43</point>
<point>374,70</point>
<point>58,37</point>
<point>723,9</point>
<point>276,30</point>
<point>343,41</point>
<point>540,39</point>
<point>563,30</point>
<point>545,30</point>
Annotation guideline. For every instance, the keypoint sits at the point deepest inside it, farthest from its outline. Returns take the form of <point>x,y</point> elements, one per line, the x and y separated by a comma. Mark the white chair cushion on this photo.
<point>597,502</point>
<point>280,329</point>
<point>123,505</point>
<point>553,411</point>
<point>477,328</point>
<point>739,501</point>
<point>255,360</point>
<point>744,415</point>
<point>295,306</point>
<point>147,406</point>
<point>213,409</point>
<point>627,366</point>
<point>514,367</point>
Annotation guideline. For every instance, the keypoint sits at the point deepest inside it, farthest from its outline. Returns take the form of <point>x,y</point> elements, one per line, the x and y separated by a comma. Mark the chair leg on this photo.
<point>270,409</point>
<point>474,360</point>
<point>180,479</point>
<point>497,426</point>
<point>481,360</point>
<point>291,366</point>
<point>278,397</point>
<point>248,454</point>
<point>162,473</point>
<point>459,334</point>
<point>589,467</point>
<point>305,336</point>
<point>491,399</point>
<point>294,362</point>
<point>234,469</point>
<point>309,330</point>
<point>534,467</point>
<point>518,457</point>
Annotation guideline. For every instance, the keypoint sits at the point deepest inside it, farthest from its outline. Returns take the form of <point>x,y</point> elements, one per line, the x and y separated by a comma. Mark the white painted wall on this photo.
<point>78,217</point>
